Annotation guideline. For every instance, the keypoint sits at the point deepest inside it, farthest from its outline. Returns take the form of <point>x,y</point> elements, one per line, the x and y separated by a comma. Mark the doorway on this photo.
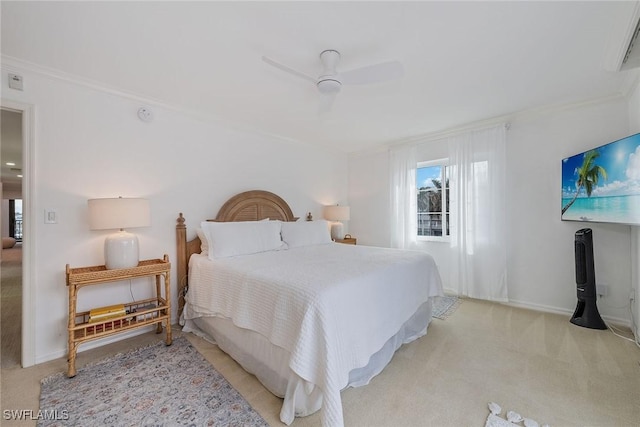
<point>16,184</point>
<point>11,219</point>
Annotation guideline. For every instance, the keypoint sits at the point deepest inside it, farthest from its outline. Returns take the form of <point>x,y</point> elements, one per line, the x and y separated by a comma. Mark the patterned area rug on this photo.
<point>443,307</point>
<point>151,386</point>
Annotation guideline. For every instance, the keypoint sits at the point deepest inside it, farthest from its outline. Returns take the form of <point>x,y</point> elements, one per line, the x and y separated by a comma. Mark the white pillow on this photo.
<point>228,239</point>
<point>305,233</point>
<point>204,243</point>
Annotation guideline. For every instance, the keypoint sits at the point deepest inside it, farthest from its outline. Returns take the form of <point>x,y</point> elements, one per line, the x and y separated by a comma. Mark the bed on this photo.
<point>307,316</point>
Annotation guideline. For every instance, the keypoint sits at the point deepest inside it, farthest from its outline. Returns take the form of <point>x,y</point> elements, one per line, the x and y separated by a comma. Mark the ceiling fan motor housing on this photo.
<point>328,82</point>
<point>329,85</point>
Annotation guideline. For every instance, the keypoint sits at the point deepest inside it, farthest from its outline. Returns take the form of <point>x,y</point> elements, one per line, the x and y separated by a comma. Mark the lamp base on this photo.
<point>337,230</point>
<point>121,250</point>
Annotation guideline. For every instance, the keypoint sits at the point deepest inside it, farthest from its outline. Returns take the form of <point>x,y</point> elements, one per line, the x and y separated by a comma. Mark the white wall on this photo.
<point>634,124</point>
<point>369,199</point>
<point>541,270</point>
<point>89,143</point>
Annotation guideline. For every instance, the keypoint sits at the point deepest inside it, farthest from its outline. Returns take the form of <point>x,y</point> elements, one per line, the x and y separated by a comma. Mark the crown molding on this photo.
<point>620,38</point>
<point>13,64</point>
<point>506,119</point>
<point>631,82</point>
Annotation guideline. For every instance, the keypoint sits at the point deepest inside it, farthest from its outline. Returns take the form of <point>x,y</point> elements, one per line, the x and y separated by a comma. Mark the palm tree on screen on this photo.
<point>588,175</point>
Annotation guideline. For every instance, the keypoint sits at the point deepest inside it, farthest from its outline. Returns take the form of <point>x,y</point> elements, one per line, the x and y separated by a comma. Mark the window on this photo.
<point>15,219</point>
<point>432,185</point>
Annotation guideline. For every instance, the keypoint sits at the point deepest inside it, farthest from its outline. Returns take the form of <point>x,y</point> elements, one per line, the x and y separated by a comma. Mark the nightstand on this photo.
<point>135,314</point>
<point>347,240</point>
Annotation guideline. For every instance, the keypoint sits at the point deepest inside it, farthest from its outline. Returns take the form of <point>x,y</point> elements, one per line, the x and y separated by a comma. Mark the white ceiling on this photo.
<point>464,61</point>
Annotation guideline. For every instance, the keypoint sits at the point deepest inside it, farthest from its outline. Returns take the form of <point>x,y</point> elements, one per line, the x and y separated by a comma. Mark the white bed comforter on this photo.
<point>331,306</point>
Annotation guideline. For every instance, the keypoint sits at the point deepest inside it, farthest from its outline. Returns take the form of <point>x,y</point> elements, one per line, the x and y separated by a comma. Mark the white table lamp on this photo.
<point>336,214</point>
<point>121,248</point>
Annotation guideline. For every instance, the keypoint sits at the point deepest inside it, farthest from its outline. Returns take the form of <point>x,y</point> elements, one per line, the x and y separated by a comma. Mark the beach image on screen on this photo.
<point>603,184</point>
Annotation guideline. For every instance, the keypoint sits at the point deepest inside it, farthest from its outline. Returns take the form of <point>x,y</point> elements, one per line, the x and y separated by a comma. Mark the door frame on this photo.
<point>28,241</point>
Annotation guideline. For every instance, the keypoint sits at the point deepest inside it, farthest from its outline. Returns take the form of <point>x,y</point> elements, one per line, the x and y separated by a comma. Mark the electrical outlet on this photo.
<point>602,290</point>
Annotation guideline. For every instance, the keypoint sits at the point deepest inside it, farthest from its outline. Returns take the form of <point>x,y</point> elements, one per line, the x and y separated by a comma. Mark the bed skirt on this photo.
<point>301,398</point>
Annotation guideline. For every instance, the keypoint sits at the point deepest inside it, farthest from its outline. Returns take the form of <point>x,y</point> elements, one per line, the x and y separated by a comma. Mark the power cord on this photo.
<point>634,326</point>
<point>618,332</point>
<point>131,291</point>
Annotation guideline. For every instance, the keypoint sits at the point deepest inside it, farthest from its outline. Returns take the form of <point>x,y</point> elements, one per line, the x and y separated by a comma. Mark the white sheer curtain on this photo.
<point>402,166</point>
<point>478,267</point>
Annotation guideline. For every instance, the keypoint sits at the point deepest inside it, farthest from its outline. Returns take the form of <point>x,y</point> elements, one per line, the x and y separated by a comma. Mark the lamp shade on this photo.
<point>121,248</point>
<point>337,213</point>
<point>118,213</point>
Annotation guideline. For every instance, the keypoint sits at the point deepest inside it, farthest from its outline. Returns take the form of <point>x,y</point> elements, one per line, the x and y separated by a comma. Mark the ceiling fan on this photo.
<point>330,81</point>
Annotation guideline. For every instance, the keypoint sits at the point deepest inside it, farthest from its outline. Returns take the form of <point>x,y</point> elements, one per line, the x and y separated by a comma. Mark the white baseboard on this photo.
<point>557,310</point>
<point>97,343</point>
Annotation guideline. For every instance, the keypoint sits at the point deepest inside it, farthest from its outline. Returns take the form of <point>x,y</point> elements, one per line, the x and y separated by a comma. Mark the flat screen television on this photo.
<point>603,184</point>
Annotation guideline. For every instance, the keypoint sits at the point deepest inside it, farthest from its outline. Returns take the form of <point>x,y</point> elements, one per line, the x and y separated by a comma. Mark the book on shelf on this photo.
<point>102,311</point>
<point>104,318</point>
<point>105,313</point>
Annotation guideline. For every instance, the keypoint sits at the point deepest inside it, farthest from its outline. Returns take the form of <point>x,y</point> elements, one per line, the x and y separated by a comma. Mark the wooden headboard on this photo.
<point>252,205</point>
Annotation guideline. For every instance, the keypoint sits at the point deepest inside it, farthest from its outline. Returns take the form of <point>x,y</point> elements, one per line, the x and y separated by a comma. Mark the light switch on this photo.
<point>50,216</point>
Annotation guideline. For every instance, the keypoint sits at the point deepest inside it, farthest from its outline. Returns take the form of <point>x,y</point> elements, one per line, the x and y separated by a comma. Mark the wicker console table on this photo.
<point>156,310</point>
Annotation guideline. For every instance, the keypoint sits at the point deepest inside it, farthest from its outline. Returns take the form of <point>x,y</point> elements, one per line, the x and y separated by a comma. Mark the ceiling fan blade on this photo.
<point>373,73</point>
<point>288,70</point>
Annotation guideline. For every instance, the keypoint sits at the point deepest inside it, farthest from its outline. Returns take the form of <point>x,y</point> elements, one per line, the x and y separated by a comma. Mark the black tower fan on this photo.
<point>586,313</point>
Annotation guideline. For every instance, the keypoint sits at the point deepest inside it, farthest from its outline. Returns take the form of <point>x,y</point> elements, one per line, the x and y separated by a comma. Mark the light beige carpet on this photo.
<point>536,363</point>
<point>11,306</point>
